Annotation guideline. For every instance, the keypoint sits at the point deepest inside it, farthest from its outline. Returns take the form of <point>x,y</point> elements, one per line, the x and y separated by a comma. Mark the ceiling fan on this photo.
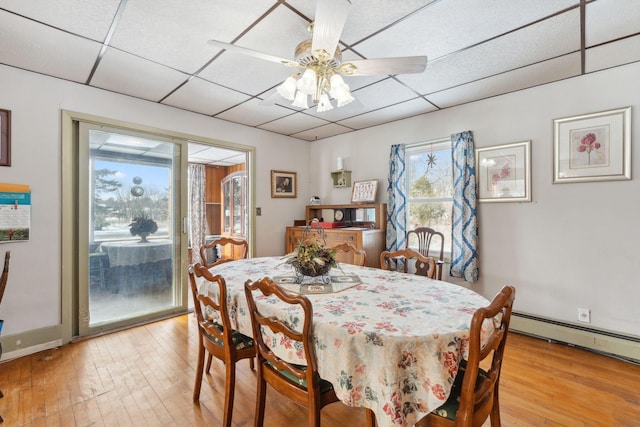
<point>319,65</point>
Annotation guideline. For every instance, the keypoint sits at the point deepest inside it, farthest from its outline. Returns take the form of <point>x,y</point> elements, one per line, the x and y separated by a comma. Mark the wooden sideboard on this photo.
<point>365,230</point>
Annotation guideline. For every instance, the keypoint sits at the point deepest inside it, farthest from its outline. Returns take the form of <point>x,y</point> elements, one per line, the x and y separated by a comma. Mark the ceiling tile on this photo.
<point>553,37</point>
<point>204,97</point>
<point>607,20</point>
<point>320,132</point>
<point>403,110</point>
<point>365,16</point>
<point>369,98</point>
<point>175,32</point>
<point>537,74</point>
<point>86,18</point>
<point>448,26</point>
<point>277,34</point>
<point>254,113</point>
<point>293,124</point>
<point>207,154</point>
<point>45,50</point>
<point>610,55</point>
<point>124,73</point>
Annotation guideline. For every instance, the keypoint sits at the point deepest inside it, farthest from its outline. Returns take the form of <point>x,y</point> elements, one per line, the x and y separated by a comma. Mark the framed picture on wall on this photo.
<point>284,184</point>
<point>364,191</point>
<point>504,172</point>
<point>592,147</point>
<point>5,138</point>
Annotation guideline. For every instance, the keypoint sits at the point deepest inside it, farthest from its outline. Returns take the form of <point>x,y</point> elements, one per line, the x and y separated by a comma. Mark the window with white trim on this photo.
<point>430,188</point>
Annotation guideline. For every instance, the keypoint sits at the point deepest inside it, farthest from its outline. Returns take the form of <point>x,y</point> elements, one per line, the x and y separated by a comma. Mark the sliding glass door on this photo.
<point>129,227</point>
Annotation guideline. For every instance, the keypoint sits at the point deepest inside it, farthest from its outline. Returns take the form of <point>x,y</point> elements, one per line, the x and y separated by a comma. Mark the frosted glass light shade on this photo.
<point>300,100</point>
<point>307,83</point>
<point>288,88</point>
<point>324,104</point>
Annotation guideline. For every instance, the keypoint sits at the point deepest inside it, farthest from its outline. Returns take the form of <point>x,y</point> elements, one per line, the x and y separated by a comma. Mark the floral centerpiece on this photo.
<point>142,226</point>
<point>312,259</point>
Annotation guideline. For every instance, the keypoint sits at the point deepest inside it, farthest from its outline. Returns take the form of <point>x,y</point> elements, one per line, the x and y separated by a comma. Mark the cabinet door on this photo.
<point>234,213</point>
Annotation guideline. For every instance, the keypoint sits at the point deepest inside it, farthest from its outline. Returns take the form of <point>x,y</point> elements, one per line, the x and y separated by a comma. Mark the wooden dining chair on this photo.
<point>240,244</point>
<point>399,260</point>
<point>3,286</point>
<point>302,384</point>
<point>474,394</point>
<point>359,255</point>
<point>216,335</point>
<point>430,243</point>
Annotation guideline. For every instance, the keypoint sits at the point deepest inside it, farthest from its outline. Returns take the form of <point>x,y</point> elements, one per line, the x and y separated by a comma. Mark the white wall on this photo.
<point>33,296</point>
<point>575,245</point>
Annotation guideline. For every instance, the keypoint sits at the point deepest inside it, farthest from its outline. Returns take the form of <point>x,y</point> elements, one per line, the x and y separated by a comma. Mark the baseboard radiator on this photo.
<point>614,344</point>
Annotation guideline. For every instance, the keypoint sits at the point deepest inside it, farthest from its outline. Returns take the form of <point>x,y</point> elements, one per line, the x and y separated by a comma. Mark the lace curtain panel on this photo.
<point>197,210</point>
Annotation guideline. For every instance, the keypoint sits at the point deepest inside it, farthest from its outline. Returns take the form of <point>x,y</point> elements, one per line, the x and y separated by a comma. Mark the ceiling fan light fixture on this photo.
<point>288,88</point>
<point>307,83</point>
<point>300,100</point>
<point>324,104</point>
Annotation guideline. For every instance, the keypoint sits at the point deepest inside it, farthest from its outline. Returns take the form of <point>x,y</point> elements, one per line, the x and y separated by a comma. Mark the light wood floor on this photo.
<point>144,377</point>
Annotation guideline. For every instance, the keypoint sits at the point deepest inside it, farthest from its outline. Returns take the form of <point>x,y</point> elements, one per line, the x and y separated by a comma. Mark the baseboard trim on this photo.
<point>610,343</point>
<point>30,342</point>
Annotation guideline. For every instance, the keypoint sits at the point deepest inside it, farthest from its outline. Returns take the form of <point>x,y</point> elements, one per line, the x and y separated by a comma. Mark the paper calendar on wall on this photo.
<point>15,212</point>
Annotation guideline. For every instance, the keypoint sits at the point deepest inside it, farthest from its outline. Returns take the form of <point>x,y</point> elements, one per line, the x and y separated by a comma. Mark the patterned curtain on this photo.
<point>397,199</point>
<point>197,213</point>
<point>464,257</point>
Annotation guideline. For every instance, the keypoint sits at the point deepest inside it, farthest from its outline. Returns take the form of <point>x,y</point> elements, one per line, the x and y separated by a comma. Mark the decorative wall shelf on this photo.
<point>341,179</point>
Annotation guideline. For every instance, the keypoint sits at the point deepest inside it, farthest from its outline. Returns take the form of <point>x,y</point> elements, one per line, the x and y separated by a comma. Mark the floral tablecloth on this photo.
<point>391,343</point>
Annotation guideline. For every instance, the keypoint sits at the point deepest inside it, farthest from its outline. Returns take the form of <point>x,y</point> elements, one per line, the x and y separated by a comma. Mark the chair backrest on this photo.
<point>359,255</point>
<point>399,260</point>
<point>425,237</point>
<point>223,241</point>
<point>5,274</point>
<point>262,322</point>
<point>479,391</point>
<point>211,307</point>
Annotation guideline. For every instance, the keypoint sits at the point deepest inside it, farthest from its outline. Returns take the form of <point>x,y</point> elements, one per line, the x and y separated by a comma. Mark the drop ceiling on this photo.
<point>158,51</point>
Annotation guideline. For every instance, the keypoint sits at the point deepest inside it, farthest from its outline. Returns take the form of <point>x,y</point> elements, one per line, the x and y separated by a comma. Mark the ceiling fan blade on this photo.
<point>256,54</point>
<point>371,67</point>
<point>328,24</point>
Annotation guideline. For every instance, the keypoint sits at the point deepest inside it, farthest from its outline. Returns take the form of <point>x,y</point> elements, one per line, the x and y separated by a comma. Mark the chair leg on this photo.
<point>209,362</point>
<point>230,390</point>
<point>371,418</point>
<point>251,363</point>
<point>494,416</point>
<point>199,369</point>
<point>260,399</point>
<point>314,414</point>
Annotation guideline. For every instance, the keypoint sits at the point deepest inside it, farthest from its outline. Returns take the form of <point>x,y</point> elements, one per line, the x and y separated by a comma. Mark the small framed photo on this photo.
<point>284,184</point>
<point>592,147</point>
<point>364,191</point>
<point>504,172</point>
<point>5,138</point>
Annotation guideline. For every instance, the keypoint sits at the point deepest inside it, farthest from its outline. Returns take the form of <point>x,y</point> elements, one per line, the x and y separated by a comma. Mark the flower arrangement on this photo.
<point>142,226</point>
<point>312,259</point>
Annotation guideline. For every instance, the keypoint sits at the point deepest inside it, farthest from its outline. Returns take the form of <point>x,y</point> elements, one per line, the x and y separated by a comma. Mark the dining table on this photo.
<point>388,341</point>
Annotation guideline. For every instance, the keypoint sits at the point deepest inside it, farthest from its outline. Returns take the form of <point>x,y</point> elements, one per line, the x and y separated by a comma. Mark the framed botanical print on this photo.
<point>504,172</point>
<point>592,147</point>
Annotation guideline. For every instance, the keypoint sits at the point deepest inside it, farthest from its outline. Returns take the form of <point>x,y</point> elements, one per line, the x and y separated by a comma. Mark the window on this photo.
<point>430,192</point>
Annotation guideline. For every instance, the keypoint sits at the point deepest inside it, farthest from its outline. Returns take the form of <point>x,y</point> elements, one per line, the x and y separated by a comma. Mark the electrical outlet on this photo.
<point>258,211</point>
<point>584,315</point>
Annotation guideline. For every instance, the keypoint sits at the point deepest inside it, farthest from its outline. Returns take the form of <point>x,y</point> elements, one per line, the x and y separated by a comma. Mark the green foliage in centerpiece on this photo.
<point>312,259</point>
